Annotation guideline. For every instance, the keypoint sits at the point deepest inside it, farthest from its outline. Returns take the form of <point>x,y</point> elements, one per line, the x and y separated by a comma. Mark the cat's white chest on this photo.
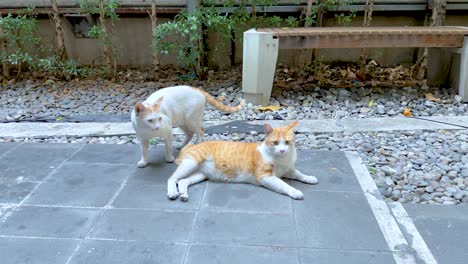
<point>280,170</point>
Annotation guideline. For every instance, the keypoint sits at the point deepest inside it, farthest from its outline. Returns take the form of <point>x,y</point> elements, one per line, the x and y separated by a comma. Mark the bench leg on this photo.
<point>260,53</point>
<point>463,80</point>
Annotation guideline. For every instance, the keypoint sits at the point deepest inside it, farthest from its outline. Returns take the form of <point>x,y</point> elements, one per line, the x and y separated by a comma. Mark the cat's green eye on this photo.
<point>159,119</point>
<point>150,120</point>
<point>287,142</point>
<point>275,143</point>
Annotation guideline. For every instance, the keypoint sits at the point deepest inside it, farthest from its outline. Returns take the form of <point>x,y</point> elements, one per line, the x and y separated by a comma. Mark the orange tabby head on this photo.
<point>150,116</point>
<point>280,141</point>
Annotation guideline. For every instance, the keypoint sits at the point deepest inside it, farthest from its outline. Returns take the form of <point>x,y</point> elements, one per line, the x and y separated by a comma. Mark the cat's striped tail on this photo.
<point>225,108</point>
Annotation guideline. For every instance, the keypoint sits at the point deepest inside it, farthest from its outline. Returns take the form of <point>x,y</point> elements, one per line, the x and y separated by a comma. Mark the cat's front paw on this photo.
<point>183,197</point>
<point>170,159</point>
<point>142,164</point>
<point>172,195</point>
<point>296,194</point>
<point>310,180</point>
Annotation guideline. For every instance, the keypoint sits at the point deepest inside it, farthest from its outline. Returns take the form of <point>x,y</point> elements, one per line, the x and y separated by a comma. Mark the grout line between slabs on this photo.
<point>403,252</point>
<point>192,230</point>
<point>12,149</point>
<point>96,218</point>
<point>8,214</point>
<point>296,232</point>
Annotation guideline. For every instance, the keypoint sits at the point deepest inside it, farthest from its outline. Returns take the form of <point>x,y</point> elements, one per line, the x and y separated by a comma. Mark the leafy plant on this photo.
<point>107,17</point>
<point>18,35</point>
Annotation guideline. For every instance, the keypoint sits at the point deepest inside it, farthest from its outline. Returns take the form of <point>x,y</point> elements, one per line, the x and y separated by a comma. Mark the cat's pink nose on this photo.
<point>282,151</point>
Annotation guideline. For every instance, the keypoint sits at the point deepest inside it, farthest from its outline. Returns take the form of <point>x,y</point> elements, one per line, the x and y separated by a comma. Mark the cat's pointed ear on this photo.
<point>140,108</point>
<point>158,102</point>
<point>268,129</point>
<point>293,125</point>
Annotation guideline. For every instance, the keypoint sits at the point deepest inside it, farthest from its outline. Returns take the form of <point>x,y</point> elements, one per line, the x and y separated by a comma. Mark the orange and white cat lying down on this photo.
<point>263,163</point>
<point>177,106</point>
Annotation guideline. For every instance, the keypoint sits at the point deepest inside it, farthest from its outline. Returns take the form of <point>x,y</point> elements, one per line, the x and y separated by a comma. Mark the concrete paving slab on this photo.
<point>244,198</point>
<point>234,254</point>
<point>15,192</point>
<point>125,252</point>
<point>48,222</point>
<point>35,250</point>
<point>119,154</point>
<point>114,211</point>
<point>323,216</point>
<point>245,228</point>
<point>155,173</point>
<point>144,196</point>
<point>6,147</point>
<point>326,256</point>
<point>33,162</point>
<point>81,184</point>
<point>444,229</point>
<point>144,225</point>
<point>330,167</point>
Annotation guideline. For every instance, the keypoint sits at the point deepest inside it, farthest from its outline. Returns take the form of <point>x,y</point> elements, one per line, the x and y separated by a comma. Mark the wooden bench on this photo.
<point>260,51</point>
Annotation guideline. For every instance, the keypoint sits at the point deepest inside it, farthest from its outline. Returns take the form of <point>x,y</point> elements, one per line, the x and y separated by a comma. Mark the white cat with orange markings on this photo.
<point>177,106</point>
<point>262,163</point>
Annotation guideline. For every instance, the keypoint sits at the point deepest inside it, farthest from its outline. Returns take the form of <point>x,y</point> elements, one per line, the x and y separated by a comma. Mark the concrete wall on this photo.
<point>133,37</point>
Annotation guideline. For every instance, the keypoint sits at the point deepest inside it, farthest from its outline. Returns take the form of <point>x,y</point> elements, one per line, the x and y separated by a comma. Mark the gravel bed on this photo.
<point>427,167</point>
<point>28,100</point>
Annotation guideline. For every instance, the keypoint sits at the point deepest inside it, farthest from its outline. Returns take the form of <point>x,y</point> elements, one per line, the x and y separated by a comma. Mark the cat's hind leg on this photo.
<point>195,126</point>
<point>186,167</point>
<point>276,184</point>
<point>188,136</point>
<point>185,183</point>
<point>299,176</point>
<point>144,147</point>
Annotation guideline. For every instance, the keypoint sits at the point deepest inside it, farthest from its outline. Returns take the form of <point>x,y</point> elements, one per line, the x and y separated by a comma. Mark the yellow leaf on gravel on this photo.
<point>371,103</point>
<point>343,72</point>
<point>431,97</point>
<point>269,108</point>
<point>407,112</point>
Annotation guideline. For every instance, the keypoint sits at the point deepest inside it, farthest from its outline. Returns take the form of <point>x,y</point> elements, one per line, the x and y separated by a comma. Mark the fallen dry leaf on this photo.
<point>343,72</point>
<point>407,112</point>
<point>431,97</point>
<point>221,98</point>
<point>269,108</point>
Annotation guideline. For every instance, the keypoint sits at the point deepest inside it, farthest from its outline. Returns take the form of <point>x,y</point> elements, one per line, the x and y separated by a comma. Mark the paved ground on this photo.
<point>349,125</point>
<point>72,203</point>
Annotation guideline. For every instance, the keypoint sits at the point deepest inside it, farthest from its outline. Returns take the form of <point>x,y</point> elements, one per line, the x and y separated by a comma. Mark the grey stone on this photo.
<point>429,189</point>
<point>388,171</point>
<point>444,166</point>
<point>427,197</point>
